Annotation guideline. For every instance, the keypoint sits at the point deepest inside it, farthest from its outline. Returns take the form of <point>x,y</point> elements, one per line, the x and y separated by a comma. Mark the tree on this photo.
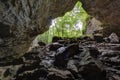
<point>72,24</point>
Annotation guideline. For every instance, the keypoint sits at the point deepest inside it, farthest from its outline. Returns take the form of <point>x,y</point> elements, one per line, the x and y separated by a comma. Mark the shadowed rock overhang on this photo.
<point>22,20</point>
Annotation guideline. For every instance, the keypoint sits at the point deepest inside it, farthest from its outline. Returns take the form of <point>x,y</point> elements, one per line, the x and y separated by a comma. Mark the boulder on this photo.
<point>114,38</point>
<point>56,74</point>
<point>54,46</point>
<point>64,53</point>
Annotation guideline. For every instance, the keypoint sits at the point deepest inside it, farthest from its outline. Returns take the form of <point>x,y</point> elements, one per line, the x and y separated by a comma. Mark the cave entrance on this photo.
<point>72,24</point>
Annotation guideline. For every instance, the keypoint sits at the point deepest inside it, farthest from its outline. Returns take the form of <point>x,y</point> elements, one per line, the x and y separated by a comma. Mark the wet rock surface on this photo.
<point>87,59</point>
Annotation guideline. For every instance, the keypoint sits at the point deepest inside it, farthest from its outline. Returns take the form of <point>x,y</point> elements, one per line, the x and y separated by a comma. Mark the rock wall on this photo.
<point>93,25</point>
<point>22,20</point>
<point>107,11</point>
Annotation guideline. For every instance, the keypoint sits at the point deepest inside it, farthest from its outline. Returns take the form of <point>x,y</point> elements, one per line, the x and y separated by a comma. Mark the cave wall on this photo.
<point>107,11</point>
<point>22,20</point>
<point>93,25</point>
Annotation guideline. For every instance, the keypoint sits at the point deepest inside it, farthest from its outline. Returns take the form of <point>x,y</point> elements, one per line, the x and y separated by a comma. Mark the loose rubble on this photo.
<point>73,59</point>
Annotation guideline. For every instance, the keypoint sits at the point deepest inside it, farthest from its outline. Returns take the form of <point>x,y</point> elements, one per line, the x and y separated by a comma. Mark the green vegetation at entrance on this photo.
<point>72,24</point>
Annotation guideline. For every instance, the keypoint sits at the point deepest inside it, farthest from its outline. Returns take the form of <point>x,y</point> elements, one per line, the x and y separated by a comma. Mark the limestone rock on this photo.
<point>93,25</point>
<point>114,38</point>
<point>106,11</point>
<point>54,46</point>
<point>22,20</point>
<point>56,74</point>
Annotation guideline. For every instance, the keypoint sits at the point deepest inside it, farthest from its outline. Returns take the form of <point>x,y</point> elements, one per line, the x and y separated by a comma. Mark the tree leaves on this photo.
<point>72,24</point>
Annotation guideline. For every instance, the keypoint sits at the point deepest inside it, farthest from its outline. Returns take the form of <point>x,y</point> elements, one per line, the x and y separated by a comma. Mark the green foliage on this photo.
<point>72,24</point>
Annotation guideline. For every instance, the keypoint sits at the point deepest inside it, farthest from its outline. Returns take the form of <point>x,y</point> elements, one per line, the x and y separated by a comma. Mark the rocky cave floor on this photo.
<point>84,58</point>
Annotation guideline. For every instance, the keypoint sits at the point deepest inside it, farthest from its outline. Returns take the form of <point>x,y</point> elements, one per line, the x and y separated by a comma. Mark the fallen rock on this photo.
<point>41,43</point>
<point>33,75</point>
<point>61,50</point>
<point>56,74</point>
<point>72,50</point>
<point>106,39</point>
<point>94,52</point>
<point>98,37</point>
<point>114,38</point>
<point>7,72</point>
<point>88,60</point>
<point>88,67</point>
<point>54,46</point>
<point>61,58</point>
<point>72,40</point>
<point>62,41</point>
<point>83,38</point>
<point>92,72</point>
<point>47,63</point>
<point>71,65</point>
<point>55,39</point>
